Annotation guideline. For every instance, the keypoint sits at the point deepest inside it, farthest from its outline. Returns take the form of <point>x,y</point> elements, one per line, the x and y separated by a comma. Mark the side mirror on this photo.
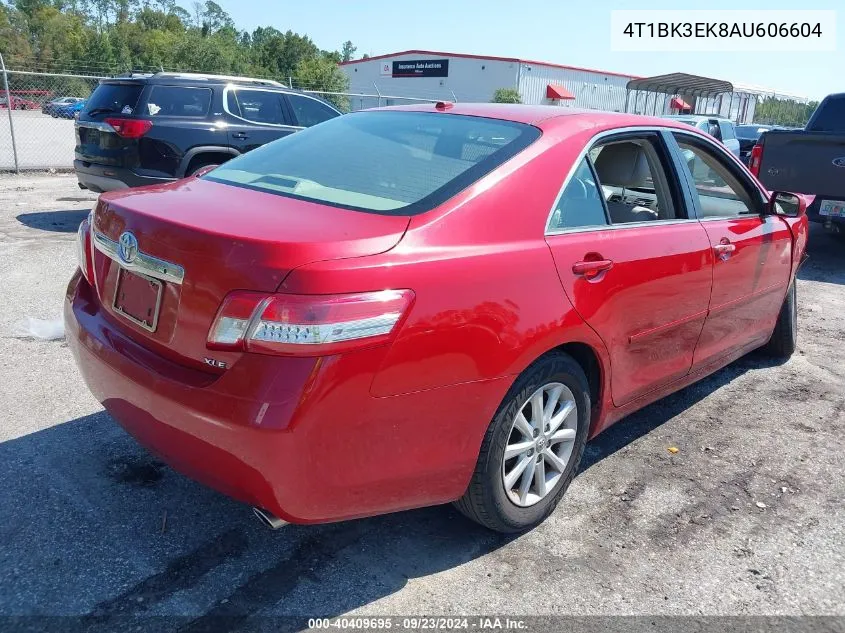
<point>789,204</point>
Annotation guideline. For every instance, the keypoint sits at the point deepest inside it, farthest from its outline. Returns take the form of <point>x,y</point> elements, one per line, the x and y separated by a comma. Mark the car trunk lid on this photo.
<point>203,239</point>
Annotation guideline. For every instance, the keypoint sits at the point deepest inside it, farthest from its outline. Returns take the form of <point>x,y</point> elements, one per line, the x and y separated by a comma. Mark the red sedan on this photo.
<point>411,306</point>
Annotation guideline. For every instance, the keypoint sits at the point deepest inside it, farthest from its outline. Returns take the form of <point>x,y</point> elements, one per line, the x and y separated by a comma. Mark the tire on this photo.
<point>486,500</point>
<point>785,336</point>
<point>195,167</point>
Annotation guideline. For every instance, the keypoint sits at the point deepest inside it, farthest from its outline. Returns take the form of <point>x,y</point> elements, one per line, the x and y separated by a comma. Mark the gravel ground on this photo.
<point>745,519</point>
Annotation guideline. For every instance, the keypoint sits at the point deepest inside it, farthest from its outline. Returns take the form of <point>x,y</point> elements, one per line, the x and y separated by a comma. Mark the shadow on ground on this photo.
<point>59,221</point>
<point>94,525</point>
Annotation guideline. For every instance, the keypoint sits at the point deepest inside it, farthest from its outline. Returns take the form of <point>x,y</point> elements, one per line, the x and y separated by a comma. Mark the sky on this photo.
<point>571,32</point>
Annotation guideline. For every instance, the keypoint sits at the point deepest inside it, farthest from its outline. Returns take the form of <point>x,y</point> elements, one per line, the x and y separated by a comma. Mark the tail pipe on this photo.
<point>268,518</point>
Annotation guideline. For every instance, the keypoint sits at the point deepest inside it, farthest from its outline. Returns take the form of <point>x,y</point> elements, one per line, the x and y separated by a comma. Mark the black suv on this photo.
<point>143,129</point>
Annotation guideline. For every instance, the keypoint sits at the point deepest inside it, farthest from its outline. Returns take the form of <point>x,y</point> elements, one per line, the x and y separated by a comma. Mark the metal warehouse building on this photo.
<point>455,76</point>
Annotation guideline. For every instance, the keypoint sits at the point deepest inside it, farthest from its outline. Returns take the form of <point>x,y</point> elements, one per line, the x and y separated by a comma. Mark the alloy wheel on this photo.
<point>540,444</point>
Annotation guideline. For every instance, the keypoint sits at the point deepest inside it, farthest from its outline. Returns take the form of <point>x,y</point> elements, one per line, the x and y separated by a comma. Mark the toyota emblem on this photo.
<point>127,247</point>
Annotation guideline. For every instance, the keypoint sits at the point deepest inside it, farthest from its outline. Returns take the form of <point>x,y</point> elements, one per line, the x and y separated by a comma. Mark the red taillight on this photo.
<point>84,254</point>
<point>756,157</point>
<point>307,325</point>
<point>130,128</point>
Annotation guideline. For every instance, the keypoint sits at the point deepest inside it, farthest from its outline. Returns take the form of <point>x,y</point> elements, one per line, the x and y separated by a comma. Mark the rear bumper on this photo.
<point>813,214</point>
<point>99,178</point>
<point>300,437</point>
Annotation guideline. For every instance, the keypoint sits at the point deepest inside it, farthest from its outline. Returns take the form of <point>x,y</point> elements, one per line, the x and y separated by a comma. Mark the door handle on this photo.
<point>240,135</point>
<point>724,249</point>
<point>591,269</point>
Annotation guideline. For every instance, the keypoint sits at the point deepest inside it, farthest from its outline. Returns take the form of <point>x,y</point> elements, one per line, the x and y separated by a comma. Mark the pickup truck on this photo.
<point>809,161</point>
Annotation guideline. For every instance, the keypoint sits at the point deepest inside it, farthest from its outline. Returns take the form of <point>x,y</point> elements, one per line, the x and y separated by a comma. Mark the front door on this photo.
<point>634,266</point>
<point>753,251</point>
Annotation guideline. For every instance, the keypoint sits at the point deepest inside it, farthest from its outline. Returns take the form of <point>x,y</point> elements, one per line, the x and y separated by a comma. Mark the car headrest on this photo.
<point>622,165</point>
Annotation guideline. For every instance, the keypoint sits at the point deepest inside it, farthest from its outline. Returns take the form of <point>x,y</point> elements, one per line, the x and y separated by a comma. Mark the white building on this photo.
<point>419,74</point>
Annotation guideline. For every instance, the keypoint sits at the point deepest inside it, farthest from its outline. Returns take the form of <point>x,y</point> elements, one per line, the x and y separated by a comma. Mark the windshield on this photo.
<point>114,98</point>
<point>387,162</point>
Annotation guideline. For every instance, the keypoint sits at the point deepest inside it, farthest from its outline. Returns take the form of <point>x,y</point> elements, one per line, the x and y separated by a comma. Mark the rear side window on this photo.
<point>113,98</point>
<point>580,203</point>
<point>258,106</point>
<point>399,163</point>
<point>308,112</point>
<point>829,116</point>
<point>178,101</point>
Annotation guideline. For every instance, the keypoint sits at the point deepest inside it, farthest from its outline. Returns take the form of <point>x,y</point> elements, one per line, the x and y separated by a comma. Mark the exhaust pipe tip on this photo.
<point>268,518</point>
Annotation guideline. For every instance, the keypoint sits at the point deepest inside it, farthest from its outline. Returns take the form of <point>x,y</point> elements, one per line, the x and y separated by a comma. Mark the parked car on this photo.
<point>811,161</point>
<point>62,102</point>
<point>719,128</point>
<point>148,129</point>
<point>18,103</point>
<point>748,135</point>
<point>416,305</point>
<point>69,110</point>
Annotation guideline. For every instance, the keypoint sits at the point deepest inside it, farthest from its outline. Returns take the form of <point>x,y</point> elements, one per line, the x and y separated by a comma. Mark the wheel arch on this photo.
<point>595,364</point>
<point>205,151</point>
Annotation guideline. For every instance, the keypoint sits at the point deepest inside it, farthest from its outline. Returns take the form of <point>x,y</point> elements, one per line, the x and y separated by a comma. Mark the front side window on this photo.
<point>308,112</point>
<point>399,163</point>
<point>720,193</point>
<point>178,101</point>
<point>258,106</point>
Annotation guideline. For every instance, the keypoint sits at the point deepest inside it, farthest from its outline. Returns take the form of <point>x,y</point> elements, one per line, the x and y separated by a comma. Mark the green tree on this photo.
<point>348,51</point>
<point>506,95</point>
<point>774,111</point>
<point>319,73</point>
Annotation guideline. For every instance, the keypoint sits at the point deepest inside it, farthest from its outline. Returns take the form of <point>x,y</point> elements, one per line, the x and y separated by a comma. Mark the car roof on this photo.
<point>542,116</point>
<point>195,78</point>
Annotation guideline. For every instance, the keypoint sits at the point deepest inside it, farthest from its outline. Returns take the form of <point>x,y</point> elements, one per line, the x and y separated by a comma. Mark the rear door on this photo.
<point>257,116</point>
<point>634,265</point>
<point>752,251</point>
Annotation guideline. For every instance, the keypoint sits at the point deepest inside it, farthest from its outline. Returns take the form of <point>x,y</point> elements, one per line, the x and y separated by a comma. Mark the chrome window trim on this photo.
<point>626,225</point>
<point>230,87</point>
<point>586,149</point>
<point>143,263</point>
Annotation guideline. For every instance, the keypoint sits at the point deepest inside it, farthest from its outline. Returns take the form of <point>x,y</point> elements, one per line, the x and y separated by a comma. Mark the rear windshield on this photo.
<point>114,98</point>
<point>829,116</point>
<point>398,163</point>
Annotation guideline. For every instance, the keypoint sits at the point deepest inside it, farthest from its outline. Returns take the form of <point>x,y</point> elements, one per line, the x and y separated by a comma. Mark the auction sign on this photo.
<point>421,68</point>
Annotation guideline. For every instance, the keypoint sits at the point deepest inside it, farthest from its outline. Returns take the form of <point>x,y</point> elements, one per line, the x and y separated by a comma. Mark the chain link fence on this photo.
<point>35,134</point>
